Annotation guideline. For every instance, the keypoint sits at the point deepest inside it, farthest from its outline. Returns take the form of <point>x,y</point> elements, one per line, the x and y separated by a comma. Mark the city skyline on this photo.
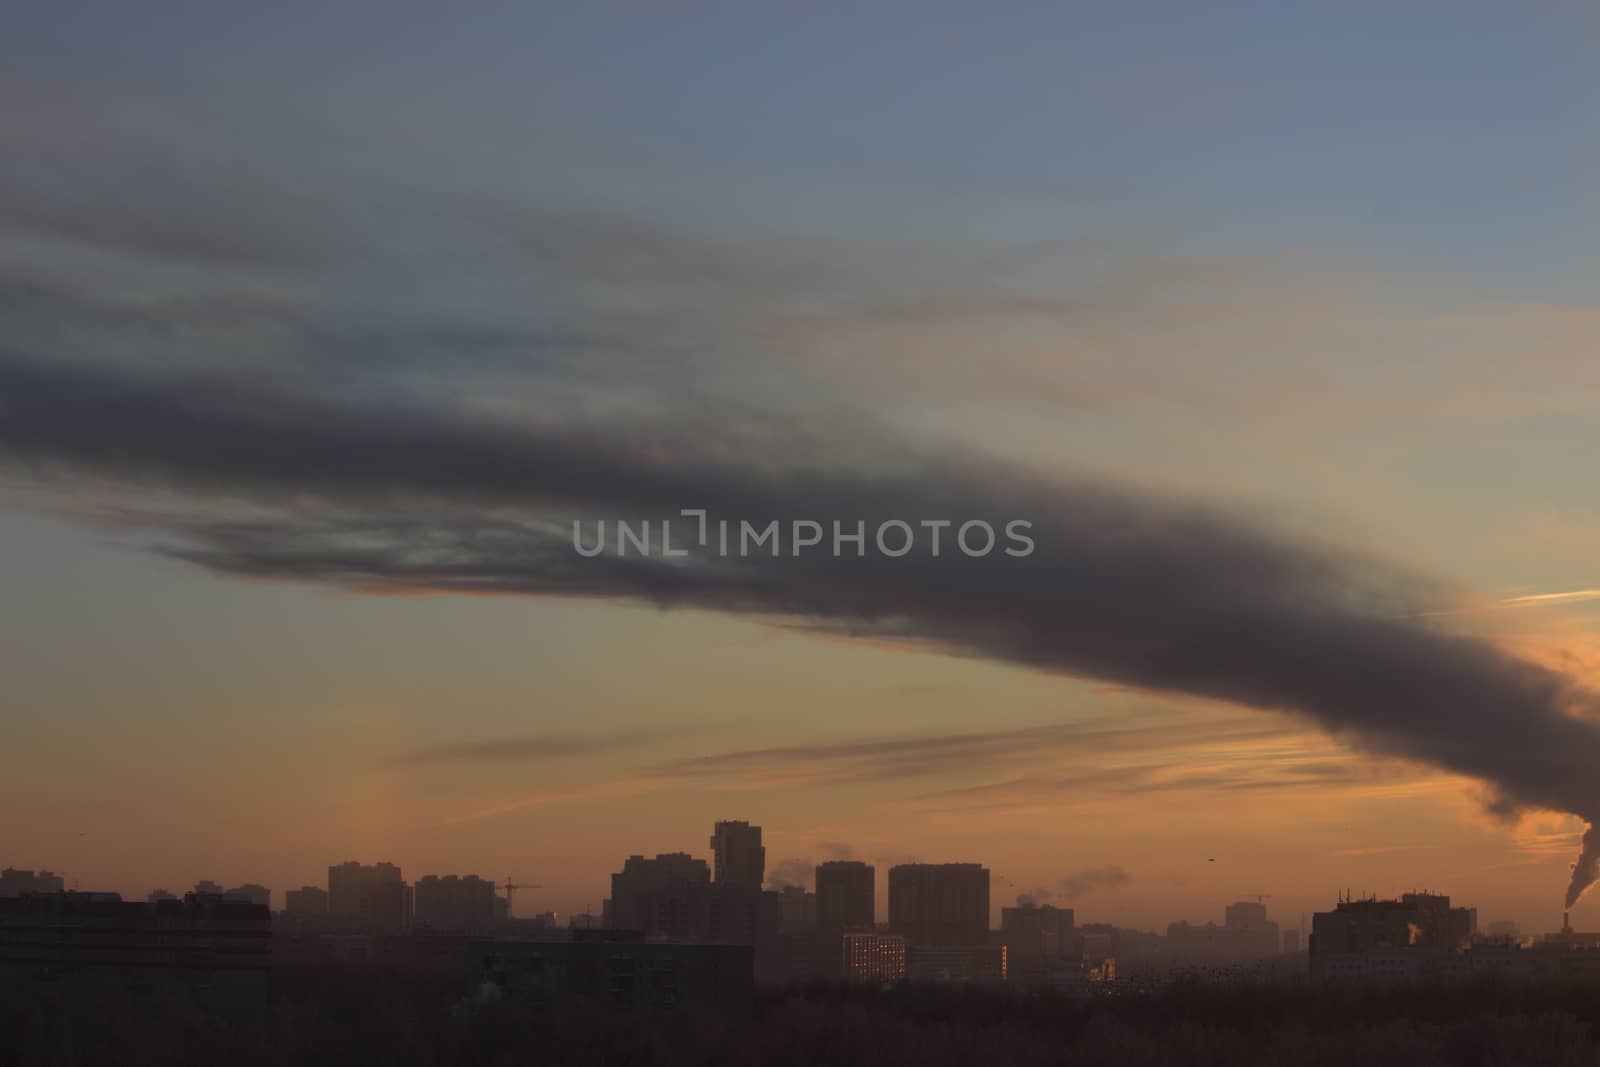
<point>846,869</point>
<point>325,333</point>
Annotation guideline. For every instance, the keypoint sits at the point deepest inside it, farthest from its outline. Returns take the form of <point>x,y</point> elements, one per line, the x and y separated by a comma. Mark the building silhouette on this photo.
<point>620,971</point>
<point>660,897</point>
<point>374,897</point>
<point>797,908</point>
<point>939,904</point>
<point>1360,937</point>
<point>15,882</point>
<point>738,858</point>
<point>1036,940</point>
<point>958,964</point>
<point>307,900</point>
<point>846,895</point>
<point>455,903</point>
<point>214,947</point>
<point>255,894</point>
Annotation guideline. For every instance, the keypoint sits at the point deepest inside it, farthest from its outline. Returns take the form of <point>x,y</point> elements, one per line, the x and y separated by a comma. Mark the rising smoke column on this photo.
<point>1587,869</point>
<point>1159,593</point>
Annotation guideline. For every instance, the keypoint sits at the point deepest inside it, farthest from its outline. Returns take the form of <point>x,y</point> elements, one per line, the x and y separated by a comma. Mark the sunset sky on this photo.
<point>319,323</point>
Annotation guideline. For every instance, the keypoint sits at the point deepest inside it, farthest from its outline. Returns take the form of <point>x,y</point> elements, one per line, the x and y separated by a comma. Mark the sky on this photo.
<point>319,325</point>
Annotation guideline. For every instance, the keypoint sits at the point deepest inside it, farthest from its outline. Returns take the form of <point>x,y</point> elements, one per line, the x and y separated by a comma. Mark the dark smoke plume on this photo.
<point>1125,586</point>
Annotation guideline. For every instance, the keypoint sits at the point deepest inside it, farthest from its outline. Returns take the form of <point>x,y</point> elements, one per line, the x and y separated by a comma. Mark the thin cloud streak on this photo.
<point>515,749</point>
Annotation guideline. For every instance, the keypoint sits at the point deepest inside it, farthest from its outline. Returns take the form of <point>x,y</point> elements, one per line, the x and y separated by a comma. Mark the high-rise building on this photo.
<point>1034,938</point>
<point>307,900</point>
<point>377,896</point>
<point>797,908</point>
<point>661,897</point>
<point>939,903</point>
<point>737,855</point>
<point>255,894</point>
<point>846,895</point>
<point>349,882</point>
<point>455,903</point>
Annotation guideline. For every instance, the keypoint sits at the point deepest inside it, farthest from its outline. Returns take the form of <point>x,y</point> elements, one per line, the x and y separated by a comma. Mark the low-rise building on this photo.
<point>628,973</point>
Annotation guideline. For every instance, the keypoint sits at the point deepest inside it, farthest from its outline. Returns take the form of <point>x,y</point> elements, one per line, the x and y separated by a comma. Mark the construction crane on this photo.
<point>511,888</point>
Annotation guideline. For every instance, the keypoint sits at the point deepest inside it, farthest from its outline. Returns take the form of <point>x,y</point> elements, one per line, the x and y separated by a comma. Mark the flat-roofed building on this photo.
<point>939,903</point>
<point>846,895</point>
<point>872,957</point>
<point>626,972</point>
<point>216,947</point>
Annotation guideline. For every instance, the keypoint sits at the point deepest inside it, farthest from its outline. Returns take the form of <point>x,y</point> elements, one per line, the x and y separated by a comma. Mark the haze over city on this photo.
<point>321,326</point>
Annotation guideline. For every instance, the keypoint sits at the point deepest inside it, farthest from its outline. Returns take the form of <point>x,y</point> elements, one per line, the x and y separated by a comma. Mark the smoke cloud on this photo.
<point>1091,878</point>
<point>1164,594</point>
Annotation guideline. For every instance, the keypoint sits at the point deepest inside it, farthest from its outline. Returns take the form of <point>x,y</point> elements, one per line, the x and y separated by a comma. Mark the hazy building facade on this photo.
<point>660,897</point>
<point>738,857</point>
<point>624,973</point>
<point>15,882</point>
<point>255,894</point>
<point>1035,938</point>
<point>939,904</point>
<point>1379,928</point>
<point>455,903</point>
<point>846,895</point>
<point>307,900</point>
<point>797,908</point>
<point>215,947</point>
<point>375,897</point>
<point>962,964</point>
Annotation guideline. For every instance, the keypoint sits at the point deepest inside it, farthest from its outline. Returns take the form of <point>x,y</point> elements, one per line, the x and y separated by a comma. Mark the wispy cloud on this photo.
<point>1570,597</point>
<point>522,749</point>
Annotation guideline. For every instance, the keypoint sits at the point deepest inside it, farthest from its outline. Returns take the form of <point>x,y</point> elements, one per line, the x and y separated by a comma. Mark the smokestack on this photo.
<point>1566,924</point>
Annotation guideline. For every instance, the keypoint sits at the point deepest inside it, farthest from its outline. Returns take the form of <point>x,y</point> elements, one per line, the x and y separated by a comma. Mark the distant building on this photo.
<point>206,887</point>
<point>376,897</point>
<point>943,904</point>
<point>1505,930</point>
<point>623,972</point>
<point>307,900</point>
<point>15,882</point>
<point>872,957</point>
<point>962,964</point>
<point>1035,937</point>
<point>255,894</point>
<point>1291,942</point>
<point>454,903</point>
<point>797,908</point>
<point>846,895</point>
<point>1378,928</point>
<point>660,897</point>
<point>738,857</point>
<point>156,896</point>
<point>214,947</point>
